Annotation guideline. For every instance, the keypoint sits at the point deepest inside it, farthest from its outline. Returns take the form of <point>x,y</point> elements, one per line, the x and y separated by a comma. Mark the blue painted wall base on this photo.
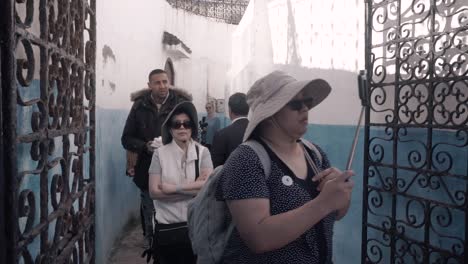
<point>117,197</point>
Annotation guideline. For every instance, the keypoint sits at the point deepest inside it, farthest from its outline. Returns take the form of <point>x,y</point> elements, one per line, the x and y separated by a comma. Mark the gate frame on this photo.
<point>365,174</point>
<point>8,164</point>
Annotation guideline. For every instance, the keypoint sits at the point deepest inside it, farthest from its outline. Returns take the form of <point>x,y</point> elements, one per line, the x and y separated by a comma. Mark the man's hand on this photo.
<point>131,172</point>
<point>149,147</point>
<point>156,143</point>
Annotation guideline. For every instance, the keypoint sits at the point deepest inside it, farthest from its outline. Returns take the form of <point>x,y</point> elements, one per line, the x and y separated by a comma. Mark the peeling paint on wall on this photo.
<point>112,86</point>
<point>107,53</point>
<point>108,69</point>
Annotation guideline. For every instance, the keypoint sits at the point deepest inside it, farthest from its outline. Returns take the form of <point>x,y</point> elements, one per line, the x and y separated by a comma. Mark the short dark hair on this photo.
<point>156,71</point>
<point>238,104</point>
<point>180,111</point>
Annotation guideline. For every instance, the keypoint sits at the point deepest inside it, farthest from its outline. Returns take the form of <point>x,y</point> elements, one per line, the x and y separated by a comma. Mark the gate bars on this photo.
<point>416,136</point>
<point>48,130</point>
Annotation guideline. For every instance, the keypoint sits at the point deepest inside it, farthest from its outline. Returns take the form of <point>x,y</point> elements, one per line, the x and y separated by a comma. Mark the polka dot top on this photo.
<point>244,178</point>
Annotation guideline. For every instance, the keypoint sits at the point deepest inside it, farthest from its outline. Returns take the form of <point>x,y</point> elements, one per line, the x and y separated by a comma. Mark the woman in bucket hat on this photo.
<point>178,171</point>
<point>288,216</point>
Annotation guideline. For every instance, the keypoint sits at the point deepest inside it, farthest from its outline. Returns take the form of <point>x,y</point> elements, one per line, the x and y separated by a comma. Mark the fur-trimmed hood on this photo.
<point>178,91</point>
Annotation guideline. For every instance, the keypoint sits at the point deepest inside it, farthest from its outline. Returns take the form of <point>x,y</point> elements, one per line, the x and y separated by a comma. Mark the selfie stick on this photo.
<point>362,81</point>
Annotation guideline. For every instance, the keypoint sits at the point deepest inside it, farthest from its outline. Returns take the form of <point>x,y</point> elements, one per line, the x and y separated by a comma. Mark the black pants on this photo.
<point>179,254</point>
<point>173,244</point>
<point>147,214</point>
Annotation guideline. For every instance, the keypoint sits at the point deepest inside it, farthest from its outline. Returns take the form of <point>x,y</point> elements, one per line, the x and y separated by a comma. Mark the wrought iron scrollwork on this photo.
<point>416,160</point>
<point>228,11</point>
<point>54,72</point>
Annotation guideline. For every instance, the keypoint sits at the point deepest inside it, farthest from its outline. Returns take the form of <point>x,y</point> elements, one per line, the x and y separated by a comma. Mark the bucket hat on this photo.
<point>272,92</point>
<point>186,107</point>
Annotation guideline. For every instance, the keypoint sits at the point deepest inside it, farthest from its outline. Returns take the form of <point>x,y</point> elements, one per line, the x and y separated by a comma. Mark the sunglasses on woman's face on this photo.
<point>179,124</point>
<point>297,105</point>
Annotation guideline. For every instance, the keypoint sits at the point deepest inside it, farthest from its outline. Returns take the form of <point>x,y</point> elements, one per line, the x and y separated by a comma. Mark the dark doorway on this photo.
<point>169,68</point>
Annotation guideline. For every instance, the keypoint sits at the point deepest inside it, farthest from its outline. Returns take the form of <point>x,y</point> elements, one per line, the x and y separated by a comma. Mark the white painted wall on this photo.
<point>134,32</point>
<point>309,39</point>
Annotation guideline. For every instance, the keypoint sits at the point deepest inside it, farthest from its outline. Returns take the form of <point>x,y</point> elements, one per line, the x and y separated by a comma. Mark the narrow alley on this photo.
<point>129,247</point>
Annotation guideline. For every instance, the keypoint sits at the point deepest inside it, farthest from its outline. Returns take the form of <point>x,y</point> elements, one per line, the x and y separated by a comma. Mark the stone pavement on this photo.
<point>129,247</point>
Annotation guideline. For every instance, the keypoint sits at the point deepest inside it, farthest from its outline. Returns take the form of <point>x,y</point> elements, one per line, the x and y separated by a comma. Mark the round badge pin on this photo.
<point>287,180</point>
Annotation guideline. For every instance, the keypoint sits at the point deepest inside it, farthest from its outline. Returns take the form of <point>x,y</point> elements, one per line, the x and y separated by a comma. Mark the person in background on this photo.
<point>178,170</point>
<point>288,216</point>
<point>228,138</point>
<point>213,124</point>
<point>150,108</point>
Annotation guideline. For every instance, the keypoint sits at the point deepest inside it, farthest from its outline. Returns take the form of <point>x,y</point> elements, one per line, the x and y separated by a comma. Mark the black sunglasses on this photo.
<point>297,105</point>
<point>186,124</point>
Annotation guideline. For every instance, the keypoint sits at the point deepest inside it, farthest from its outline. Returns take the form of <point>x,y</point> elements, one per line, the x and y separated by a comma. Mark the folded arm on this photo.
<point>158,193</point>
<point>191,188</point>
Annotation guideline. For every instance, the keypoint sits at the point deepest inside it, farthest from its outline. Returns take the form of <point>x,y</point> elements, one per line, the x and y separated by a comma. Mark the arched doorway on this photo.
<point>169,68</point>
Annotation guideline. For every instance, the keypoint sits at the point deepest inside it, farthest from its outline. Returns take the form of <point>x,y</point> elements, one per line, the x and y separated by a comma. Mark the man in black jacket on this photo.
<point>227,139</point>
<point>150,108</point>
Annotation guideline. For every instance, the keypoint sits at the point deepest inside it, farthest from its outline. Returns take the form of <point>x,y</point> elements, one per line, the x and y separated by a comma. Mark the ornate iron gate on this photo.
<point>48,130</point>
<point>229,11</point>
<point>416,152</point>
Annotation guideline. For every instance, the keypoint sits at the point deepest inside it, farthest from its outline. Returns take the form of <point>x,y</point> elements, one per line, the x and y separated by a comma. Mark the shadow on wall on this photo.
<point>292,55</point>
<point>342,106</point>
<point>334,77</point>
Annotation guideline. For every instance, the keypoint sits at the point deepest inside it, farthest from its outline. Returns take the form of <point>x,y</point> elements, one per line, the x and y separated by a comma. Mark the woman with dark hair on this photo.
<point>178,170</point>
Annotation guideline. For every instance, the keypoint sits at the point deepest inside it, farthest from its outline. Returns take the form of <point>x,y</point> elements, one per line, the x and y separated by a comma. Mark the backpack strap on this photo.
<point>309,145</point>
<point>312,147</point>
<point>197,161</point>
<point>262,155</point>
<point>265,158</point>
